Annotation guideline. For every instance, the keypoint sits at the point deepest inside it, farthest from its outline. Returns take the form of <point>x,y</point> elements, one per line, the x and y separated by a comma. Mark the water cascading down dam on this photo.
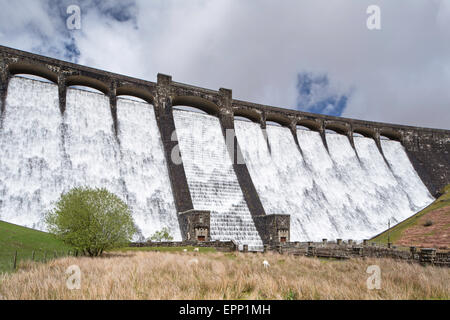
<point>287,176</point>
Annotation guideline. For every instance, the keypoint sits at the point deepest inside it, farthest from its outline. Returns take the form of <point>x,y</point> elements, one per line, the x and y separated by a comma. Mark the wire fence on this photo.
<point>13,260</point>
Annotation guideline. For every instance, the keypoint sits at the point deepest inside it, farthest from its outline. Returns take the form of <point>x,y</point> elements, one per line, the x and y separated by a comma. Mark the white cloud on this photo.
<point>399,74</point>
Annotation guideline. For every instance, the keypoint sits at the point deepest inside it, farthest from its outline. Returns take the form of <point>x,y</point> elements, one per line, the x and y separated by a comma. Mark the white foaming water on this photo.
<point>44,154</point>
<point>327,195</point>
<point>30,152</point>
<point>282,179</point>
<point>144,170</point>
<point>212,180</point>
<point>90,144</point>
<point>407,177</point>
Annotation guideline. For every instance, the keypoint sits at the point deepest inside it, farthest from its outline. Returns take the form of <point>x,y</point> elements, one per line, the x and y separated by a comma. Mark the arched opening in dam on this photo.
<point>249,114</point>
<point>364,131</point>
<point>331,131</point>
<point>135,93</point>
<point>133,98</point>
<point>300,127</point>
<point>23,68</point>
<point>85,88</point>
<point>189,109</point>
<point>32,77</point>
<point>309,123</point>
<point>240,118</point>
<point>273,123</point>
<point>88,83</point>
<point>194,103</point>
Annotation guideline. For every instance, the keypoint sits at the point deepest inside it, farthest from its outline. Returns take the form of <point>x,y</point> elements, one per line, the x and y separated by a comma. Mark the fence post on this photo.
<point>32,255</point>
<point>427,255</point>
<point>311,251</point>
<point>15,261</point>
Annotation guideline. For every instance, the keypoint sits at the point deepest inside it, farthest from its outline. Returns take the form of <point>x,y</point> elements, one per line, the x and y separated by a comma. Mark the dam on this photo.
<point>286,175</point>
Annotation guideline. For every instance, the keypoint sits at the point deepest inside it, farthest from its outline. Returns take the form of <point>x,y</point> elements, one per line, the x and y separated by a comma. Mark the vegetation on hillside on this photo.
<point>24,240</point>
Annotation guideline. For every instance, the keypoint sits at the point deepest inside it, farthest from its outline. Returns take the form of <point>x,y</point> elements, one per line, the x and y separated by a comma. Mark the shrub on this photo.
<point>91,220</point>
<point>163,235</point>
<point>428,223</point>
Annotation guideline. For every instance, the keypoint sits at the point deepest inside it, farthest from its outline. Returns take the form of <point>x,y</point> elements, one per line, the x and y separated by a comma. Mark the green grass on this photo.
<point>24,240</point>
<point>164,249</point>
<point>397,230</point>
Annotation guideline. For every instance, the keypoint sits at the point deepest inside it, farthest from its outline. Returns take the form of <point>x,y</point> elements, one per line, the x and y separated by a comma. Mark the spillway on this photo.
<point>144,170</point>
<point>212,180</point>
<point>329,194</point>
<point>45,154</point>
<point>31,152</point>
<point>90,144</point>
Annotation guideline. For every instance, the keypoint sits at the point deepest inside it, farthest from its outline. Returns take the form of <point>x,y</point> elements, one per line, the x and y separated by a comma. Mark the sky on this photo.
<point>310,55</point>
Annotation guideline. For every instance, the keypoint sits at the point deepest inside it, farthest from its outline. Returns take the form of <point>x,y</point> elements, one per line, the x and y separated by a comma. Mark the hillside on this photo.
<point>25,241</point>
<point>428,228</point>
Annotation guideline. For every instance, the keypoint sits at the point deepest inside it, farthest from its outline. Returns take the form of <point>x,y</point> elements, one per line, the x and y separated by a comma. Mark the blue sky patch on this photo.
<point>315,94</point>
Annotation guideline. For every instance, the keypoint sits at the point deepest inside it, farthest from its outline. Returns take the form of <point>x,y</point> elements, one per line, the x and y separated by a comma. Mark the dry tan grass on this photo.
<point>162,275</point>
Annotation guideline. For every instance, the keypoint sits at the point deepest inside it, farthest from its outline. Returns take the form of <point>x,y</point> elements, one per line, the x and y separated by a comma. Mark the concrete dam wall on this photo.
<point>237,171</point>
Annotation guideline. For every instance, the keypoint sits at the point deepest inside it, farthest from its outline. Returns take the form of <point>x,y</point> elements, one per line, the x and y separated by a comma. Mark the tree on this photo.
<point>163,235</point>
<point>91,220</point>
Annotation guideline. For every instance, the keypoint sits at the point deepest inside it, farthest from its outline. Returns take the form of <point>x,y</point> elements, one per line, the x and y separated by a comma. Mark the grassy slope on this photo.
<point>25,241</point>
<point>397,230</point>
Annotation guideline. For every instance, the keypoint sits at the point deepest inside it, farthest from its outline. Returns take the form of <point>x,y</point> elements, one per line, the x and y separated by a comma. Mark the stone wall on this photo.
<point>222,246</point>
<point>347,251</point>
<point>425,256</point>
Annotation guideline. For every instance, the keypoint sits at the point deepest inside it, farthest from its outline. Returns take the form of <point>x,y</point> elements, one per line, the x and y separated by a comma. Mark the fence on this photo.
<point>349,249</point>
<point>12,260</point>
